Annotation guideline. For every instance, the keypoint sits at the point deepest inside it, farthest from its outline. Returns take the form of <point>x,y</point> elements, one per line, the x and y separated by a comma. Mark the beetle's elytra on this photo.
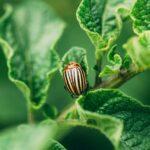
<point>75,78</point>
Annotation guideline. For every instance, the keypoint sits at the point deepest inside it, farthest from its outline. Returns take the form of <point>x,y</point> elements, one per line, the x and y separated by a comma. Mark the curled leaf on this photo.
<point>75,54</point>
<point>118,65</point>
<point>138,48</point>
<point>116,62</point>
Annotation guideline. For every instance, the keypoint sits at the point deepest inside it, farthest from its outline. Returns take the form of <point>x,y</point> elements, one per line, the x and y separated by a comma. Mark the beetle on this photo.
<point>75,79</point>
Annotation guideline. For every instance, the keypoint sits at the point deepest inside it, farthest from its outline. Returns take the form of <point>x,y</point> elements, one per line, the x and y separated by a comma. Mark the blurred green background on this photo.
<point>12,102</point>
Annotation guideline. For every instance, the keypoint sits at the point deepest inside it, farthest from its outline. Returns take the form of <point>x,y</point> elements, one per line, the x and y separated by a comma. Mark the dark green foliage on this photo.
<point>135,116</point>
<point>100,118</point>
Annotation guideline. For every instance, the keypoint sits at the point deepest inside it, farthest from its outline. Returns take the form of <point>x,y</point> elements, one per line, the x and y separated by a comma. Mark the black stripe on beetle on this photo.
<point>75,78</point>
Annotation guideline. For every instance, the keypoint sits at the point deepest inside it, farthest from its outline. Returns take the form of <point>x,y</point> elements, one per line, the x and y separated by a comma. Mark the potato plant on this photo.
<point>29,32</point>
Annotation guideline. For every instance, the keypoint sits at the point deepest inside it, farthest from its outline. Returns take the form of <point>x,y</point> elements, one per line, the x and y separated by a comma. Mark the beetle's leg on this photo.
<point>88,87</point>
<point>95,68</point>
<point>74,96</point>
<point>65,88</point>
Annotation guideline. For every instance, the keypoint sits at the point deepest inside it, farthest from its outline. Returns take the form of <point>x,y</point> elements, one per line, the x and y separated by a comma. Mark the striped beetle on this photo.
<point>75,78</point>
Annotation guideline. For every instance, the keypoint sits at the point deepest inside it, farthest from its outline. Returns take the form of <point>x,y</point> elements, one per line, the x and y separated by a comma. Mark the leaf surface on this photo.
<point>102,20</point>
<point>30,137</point>
<point>135,116</point>
<point>141,16</point>
<point>28,36</point>
<point>138,48</point>
<point>105,125</point>
<point>56,146</point>
<point>75,54</point>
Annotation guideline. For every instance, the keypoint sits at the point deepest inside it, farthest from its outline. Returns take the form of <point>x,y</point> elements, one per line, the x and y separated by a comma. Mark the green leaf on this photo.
<point>135,116</point>
<point>109,126</point>
<point>56,146</point>
<point>138,48</point>
<point>49,111</point>
<point>127,61</point>
<point>118,65</point>
<point>115,60</point>
<point>29,137</point>
<point>28,38</point>
<point>75,54</point>
<point>102,20</point>
<point>140,15</point>
<point>104,124</point>
<point>85,137</point>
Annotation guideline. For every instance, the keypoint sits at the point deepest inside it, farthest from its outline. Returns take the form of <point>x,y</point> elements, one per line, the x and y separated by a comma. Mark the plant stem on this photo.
<point>98,68</point>
<point>116,82</point>
<point>30,114</point>
<point>65,111</point>
<point>98,80</point>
